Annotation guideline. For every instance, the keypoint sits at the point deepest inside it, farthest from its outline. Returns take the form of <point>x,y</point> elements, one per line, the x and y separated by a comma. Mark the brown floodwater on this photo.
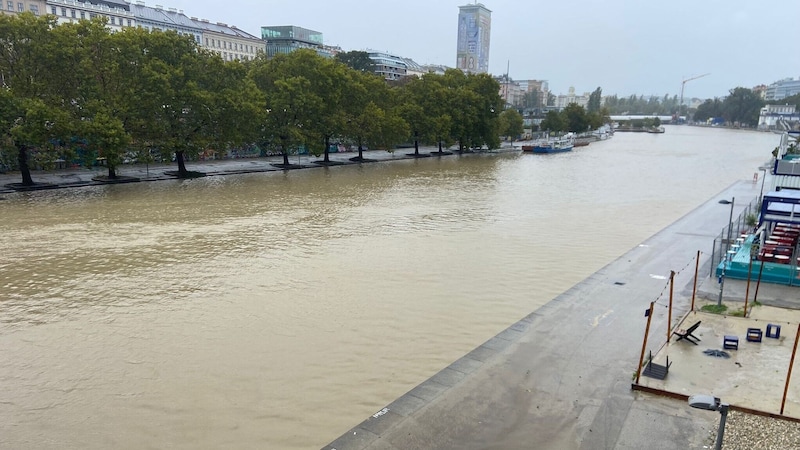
<point>278,310</point>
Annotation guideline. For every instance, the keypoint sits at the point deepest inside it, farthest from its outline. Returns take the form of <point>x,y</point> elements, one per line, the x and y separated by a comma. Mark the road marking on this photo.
<point>597,319</point>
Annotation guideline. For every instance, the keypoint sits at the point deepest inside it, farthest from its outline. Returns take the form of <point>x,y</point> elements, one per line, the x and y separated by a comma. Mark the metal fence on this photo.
<point>735,229</point>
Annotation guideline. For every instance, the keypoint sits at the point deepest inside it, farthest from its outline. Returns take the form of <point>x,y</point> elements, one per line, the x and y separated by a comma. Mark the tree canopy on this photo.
<point>80,92</point>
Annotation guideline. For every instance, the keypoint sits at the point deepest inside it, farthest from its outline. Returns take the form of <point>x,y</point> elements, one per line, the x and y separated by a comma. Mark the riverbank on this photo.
<point>561,377</point>
<point>134,173</point>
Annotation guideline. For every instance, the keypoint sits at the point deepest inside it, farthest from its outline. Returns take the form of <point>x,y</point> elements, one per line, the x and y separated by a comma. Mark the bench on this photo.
<point>687,334</point>
<point>657,371</point>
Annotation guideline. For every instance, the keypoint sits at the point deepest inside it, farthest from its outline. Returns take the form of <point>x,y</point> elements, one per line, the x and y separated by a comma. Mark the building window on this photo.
<point>129,22</point>
<point>20,7</point>
<point>112,20</point>
<point>35,10</point>
<point>73,14</point>
<point>64,12</point>
<point>83,15</point>
<point>11,6</point>
<point>52,8</point>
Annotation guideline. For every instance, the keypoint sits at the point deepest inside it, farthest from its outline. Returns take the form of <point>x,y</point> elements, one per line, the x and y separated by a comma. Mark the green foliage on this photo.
<point>79,90</point>
<point>594,101</point>
<point>575,115</point>
<point>554,121</point>
<point>742,107</point>
<point>356,60</point>
<point>708,110</point>
<point>714,308</point>
<point>511,123</point>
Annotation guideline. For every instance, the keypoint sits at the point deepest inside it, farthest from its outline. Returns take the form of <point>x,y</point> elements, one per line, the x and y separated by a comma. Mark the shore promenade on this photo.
<point>82,177</point>
<point>561,377</point>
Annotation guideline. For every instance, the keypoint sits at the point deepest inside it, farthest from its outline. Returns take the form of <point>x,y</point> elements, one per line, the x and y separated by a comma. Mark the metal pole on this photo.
<point>730,222</point>
<point>644,342</point>
<point>722,281</point>
<point>791,363</point>
<point>696,272</point>
<point>723,410</point>
<point>669,314</point>
<point>758,282</point>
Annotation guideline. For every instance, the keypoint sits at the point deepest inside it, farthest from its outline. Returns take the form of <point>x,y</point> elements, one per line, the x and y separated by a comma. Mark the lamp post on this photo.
<point>711,403</point>
<point>763,177</point>
<point>727,248</point>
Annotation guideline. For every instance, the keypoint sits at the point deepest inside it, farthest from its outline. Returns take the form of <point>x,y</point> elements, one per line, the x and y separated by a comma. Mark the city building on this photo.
<point>12,7</point>
<point>117,12</point>
<point>778,117</point>
<point>286,39</point>
<point>171,19</point>
<point>782,89</point>
<point>562,101</point>
<point>474,33</point>
<point>231,43</point>
<point>389,67</point>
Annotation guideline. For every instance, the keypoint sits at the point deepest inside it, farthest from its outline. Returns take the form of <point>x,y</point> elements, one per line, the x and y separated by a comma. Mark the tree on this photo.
<point>708,110</point>
<point>575,117</point>
<point>742,106</point>
<point>554,122</point>
<point>371,116</point>
<point>357,60</point>
<point>594,100</point>
<point>512,124</point>
<point>33,112</point>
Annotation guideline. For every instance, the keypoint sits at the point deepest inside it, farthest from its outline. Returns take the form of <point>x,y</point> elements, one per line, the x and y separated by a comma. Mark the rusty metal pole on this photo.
<point>747,291</point>
<point>788,375</point>
<point>644,342</point>
<point>696,272</point>
<point>758,282</point>
<point>669,314</point>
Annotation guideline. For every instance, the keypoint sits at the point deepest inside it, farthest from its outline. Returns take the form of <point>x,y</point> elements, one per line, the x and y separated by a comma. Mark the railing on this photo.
<point>738,227</point>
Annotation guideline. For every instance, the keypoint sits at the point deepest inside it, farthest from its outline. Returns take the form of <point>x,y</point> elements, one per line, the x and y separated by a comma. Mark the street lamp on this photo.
<point>727,248</point>
<point>763,177</point>
<point>711,403</point>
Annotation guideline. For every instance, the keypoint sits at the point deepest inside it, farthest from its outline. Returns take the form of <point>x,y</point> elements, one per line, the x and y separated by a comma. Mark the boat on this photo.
<point>658,130</point>
<point>552,145</point>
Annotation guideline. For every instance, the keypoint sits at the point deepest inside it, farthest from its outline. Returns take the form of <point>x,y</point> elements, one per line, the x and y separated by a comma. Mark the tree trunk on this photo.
<point>416,147</point>
<point>286,156</point>
<point>327,147</point>
<point>112,173</point>
<point>360,152</point>
<point>440,146</point>
<point>182,172</point>
<point>24,169</point>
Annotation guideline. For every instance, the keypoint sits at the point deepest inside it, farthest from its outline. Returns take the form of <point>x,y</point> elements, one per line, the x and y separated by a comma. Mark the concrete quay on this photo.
<point>81,176</point>
<point>561,378</point>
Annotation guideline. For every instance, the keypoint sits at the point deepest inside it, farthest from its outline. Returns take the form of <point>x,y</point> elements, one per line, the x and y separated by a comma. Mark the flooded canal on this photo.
<point>278,310</point>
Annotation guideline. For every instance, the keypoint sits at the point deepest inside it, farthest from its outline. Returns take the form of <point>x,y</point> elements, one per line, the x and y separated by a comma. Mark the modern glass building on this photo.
<point>286,39</point>
<point>474,33</point>
<point>782,89</point>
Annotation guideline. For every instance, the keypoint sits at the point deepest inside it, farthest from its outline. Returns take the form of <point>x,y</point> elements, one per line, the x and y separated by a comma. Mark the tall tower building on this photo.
<point>474,32</point>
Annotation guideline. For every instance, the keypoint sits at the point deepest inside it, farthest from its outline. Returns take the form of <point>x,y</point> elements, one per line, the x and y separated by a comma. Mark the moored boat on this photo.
<point>552,145</point>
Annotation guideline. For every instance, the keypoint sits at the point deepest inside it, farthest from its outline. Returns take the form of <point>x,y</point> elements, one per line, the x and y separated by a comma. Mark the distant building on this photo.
<point>159,19</point>
<point>229,42</point>
<point>760,90</point>
<point>37,7</point>
<point>474,34</point>
<point>117,13</point>
<point>511,91</point>
<point>562,101</point>
<point>388,66</point>
<point>782,89</point>
<point>778,117</point>
<point>286,39</point>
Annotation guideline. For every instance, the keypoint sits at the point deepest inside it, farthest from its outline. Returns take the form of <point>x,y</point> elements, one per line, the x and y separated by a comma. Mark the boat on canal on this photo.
<point>552,145</point>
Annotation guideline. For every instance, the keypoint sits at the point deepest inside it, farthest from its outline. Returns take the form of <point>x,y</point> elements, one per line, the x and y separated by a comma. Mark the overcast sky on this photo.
<point>623,46</point>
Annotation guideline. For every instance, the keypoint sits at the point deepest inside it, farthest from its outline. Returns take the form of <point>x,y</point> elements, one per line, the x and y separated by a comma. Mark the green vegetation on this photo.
<point>714,309</point>
<point>574,118</point>
<point>81,93</point>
